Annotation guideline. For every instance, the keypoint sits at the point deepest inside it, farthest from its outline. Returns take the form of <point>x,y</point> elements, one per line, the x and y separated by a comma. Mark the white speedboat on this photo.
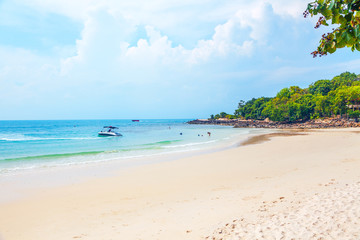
<point>109,131</point>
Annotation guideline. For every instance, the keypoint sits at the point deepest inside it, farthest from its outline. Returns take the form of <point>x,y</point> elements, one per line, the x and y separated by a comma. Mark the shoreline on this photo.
<point>326,123</point>
<point>188,198</point>
<point>62,175</point>
<point>267,137</point>
<point>180,147</point>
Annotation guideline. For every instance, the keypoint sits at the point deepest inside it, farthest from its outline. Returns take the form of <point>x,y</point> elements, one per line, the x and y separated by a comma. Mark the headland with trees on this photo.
<point>336,100</point>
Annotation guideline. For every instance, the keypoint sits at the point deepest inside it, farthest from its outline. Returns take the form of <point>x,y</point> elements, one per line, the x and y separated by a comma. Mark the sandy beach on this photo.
<point>292,185</point>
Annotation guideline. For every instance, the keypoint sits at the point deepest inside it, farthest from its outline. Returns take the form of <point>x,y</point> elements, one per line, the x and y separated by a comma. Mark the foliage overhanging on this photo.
<point>345,14</point>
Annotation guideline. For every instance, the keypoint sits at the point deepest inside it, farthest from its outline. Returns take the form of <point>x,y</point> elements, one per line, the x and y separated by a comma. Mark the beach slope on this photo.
<point>268,188</point>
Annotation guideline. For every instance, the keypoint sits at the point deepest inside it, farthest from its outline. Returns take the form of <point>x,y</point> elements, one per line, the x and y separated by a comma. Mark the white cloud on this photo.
<point>176,17</point>
<point>160,56</point>
<point>221,44</point>
<point>102,40</point>
<point>24,76</point>
<point>104,50</point>
<point>106,37</point>
<point>233,36</point>
<point>293,8</point>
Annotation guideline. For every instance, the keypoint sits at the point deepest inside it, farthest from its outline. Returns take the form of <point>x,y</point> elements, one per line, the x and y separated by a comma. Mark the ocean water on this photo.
<point>41,144</point>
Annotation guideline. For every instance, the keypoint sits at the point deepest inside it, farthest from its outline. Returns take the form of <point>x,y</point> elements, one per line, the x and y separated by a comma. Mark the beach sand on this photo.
<point>303,185</point>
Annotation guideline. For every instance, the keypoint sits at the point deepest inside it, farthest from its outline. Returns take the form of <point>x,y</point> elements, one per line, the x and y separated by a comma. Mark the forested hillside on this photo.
<point>324,98</point>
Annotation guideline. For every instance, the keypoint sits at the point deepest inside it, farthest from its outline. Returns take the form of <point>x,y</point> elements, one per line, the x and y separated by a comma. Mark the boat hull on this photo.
<point>109,134</point>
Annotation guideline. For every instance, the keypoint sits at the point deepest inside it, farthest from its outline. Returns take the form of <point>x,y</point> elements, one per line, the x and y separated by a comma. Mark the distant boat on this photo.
<point>108,131</point>
<point>135,120</point>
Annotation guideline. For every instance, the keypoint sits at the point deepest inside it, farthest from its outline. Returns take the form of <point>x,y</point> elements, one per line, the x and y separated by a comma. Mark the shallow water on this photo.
<point>38,144</point>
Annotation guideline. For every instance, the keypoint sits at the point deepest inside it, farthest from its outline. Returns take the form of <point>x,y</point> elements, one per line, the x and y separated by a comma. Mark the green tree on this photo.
<point>290,104</point>
<point>324,98</point>
<point>229,116</point>
<point>354,95</point>
<point>284,93</point>
<point>345,14</point>
<point>344,79</point>
<point>322,87</point>
<point>277,109</point>
<point>241,104</point>
<point>252,109</point>
<point>305,107</point>
<point>354,114</point>
<point>239,111</point>
<point>223,115</point>
<point>340,100</point>
<point>322,106</point>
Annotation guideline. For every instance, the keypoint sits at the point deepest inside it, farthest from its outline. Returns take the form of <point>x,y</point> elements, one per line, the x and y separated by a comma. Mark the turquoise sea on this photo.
<point>42,144</point>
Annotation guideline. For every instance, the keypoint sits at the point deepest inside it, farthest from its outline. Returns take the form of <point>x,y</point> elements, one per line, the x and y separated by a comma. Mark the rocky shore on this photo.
<point>311,124</point>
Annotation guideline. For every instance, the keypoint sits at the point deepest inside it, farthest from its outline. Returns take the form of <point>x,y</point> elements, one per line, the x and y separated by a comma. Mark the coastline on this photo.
<point>16,185</point>
<point>65,145</point>
<point>188,198</point>
<point>267,124</point>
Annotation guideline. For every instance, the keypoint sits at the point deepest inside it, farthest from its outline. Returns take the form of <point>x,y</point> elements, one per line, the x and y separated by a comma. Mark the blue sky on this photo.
<point>108,59</point>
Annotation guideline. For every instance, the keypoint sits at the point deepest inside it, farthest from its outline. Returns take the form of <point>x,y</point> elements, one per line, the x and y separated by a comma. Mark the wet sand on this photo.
<point>267,137</point>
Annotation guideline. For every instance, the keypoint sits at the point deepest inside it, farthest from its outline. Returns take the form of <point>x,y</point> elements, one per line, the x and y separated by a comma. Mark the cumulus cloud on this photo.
<point>102,39</point>
<point>168,55</point>
<point>106,35</point>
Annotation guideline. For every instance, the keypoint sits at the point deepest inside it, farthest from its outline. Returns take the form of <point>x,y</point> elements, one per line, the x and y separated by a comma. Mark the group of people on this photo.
<point>209,133</point>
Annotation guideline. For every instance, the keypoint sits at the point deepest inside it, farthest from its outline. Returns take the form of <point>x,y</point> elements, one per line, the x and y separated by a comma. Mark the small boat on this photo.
<point>108,131</point>
<point>135,120</point>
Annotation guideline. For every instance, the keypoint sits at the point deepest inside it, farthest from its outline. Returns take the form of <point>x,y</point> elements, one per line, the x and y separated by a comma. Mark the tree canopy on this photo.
<point>324,98</point>
<point>343,13</point>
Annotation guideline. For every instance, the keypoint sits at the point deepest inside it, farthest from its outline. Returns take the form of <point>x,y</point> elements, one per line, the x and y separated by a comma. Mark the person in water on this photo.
<point>209,133</point>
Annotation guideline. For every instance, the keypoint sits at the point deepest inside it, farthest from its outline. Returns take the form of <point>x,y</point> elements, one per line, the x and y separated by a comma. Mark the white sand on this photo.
<point>196,197</point>
<point>334,214</point>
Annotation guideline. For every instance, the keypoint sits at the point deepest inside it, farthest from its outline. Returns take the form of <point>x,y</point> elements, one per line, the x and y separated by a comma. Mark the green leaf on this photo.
<point>332,3</point>
<point>357,46</point>
<point>342,20</point>
<point>341,44</point>
<point>327,13</point>
<point>331,50</point>
<point>347,37</point>
<point>309,6</point>
<point>348,17</point>
<point>338,37</point>
<point>357,31</point>
<point>319,7</point>
<point>335,16</point>
<point>324,23</point>
<point>352,40</point>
